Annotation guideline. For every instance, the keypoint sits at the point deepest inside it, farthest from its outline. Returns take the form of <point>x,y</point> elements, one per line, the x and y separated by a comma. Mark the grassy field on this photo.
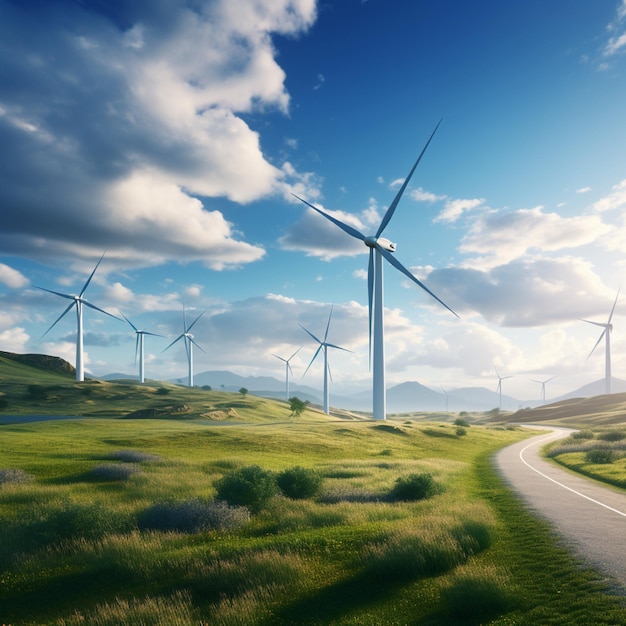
<point>114,521</point>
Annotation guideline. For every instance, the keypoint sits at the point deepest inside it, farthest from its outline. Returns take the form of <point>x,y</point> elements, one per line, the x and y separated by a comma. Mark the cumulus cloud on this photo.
<point>116,118</point>
<point>11,277</point>
<point>14,340</point>
<point>615,200</point>
<point>454,208</point>
<point>526,292</point>
<point>500,237</point>
<point>617,41</point>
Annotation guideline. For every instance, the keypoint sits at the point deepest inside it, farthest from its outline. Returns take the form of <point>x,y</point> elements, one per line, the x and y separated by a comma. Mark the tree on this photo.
<point>296,405</point>
<point>243,391</point>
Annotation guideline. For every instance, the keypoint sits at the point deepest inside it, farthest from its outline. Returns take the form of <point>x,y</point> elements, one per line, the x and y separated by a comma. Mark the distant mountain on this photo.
<point>596,388</point>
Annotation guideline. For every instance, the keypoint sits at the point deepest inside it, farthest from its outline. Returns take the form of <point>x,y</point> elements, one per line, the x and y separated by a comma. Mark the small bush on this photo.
<point>299,482</point>
<point>11,476</point>
<point>36,392</point>
<point>249,486</point>
<point>600,456</point>
<point>612,435</point>
<point>133,456</point>
<point>582,434</point>
<point>113,471</point>
<point>193,516</point>
<point>162,391</point>
<point>415,487</point>
<point>459,421</point>
<point>460,431</point>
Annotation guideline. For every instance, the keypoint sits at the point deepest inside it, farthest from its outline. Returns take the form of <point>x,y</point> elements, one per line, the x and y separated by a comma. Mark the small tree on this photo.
<point>243,391</point>
<point>296,405</point>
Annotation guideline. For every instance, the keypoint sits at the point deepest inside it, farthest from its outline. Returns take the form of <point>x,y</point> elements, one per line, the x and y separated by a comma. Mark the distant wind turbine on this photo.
<point>499,387</point>
<point>543,386</point>
<point>323,345</point>
<point>380,247</point>
<point>288,369</point>
<point>190,342</point>
<point>78,302</point>
<point>139,347</point>
<point>606,333</point>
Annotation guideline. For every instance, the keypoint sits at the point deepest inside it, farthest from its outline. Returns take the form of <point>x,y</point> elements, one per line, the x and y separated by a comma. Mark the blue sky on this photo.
<point>172,134</point>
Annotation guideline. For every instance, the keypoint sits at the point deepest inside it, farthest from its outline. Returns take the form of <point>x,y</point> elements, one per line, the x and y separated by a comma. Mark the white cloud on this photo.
<point>617,41</point>
<point>163,119</point>
<point>421,195</point>
<point>14,340</point>
<point>11,277</point>
<point>615,200</point>
<point>454,209</point>
<point>503,237</point>
<point>583,190</point>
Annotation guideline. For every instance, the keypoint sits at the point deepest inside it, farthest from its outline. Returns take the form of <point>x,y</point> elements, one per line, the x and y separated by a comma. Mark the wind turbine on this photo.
<point>78,302</point>
<point>323,345</point>
<point>190,342</point>
<point>499,387</point>
<point>606,333</point>
<point>139,346</point>
<point>288,369</point>
<point>543,386</point>
<point>380,247</point>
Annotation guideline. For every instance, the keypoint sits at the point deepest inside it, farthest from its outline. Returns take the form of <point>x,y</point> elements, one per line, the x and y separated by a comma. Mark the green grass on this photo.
<point>73,550</point>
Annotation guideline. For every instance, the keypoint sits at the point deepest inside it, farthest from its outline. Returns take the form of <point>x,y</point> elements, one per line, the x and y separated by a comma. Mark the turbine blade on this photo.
<point>310,334</point>
<point>329,372</point>
<point>194,322</point>
<point>328,324</point>
<point>313,359</point>
<point>96,308</point>
<point>370,299</point>
<point>132,325</point>
<point>281,358</point>
<point>597,342</point>
<point>613,309</point>
<point>345,227</point>
<point>57,293</point>
<point>195,343</point>
<point>173,342</point>
<point>294,354</point>
<point>145,332</point>
<point>392,207</point>
<point>136,349</point>
<point>91,276</point>
<point>58,319</point>
<point>601,324</point>
<point>332,345</point>
<point>408,274</point>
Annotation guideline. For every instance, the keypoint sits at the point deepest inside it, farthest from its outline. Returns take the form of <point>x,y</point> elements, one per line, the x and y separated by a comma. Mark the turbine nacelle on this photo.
<point>381,242</point>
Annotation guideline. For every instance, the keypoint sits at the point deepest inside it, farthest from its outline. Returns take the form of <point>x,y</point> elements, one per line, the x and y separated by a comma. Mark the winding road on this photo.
<point>591,518</point>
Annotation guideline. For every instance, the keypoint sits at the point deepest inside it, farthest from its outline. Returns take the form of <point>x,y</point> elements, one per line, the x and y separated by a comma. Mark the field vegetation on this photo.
<point>267,518</point>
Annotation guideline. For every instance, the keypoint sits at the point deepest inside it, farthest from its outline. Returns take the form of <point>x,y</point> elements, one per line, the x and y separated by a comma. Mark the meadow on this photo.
<point>232,511</point>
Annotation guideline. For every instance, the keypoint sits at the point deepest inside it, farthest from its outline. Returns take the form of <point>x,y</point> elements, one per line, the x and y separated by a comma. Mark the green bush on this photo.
<point>249,486</point>
<point>582,434</point>
<point>36,392</point>
<point>600,456</point>
<point>133,456</point>
<point>109,472</point>
<point>612,435</point>
<point>460,431</point>
<point>299,482</point>
<point>193,516</point>
<point>459,421</point>
<point>415,487</point>
<point>162,391</point>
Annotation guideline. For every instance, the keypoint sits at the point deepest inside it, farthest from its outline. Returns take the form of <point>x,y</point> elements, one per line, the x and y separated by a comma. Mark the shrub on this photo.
<point>612,435</point>
<point>600,456</point>
<point>162,391</point>
<point>248,486</point>
<point>459,421</point>
<point>36,392</point>
<point>133,456</point>
<point>415,487</point>
<point>113,471</point>
<point>299,482</point>
<point>460,431</point>
<point>13,476</point>
<point>582,434</point>
<point>193,516</point>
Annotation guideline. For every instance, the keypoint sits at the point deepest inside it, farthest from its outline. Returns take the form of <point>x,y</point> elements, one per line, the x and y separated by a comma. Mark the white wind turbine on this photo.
<point>380,247</point>
<point>543,386</point>
<point>606,333</point>
<point>139,347</point>
<point>78,302</point>
<point>288,369</point>
<point>499,387</point>
<point>190,342</point>
<point>323,345</point>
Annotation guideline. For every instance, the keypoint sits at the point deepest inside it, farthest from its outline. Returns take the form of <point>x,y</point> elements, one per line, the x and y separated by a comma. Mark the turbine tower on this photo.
<point>190,342</point>
<point>499,387</point>
<point>379,248</point>
<point>606,333</point>
<point>139,347</point>
<point>323,345</point>
<point>78,302</point>
<point>543,387</point>
<point>288,369</point>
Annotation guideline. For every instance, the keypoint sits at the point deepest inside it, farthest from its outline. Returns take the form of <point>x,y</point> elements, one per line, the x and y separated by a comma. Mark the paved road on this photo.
<point>591,518</point>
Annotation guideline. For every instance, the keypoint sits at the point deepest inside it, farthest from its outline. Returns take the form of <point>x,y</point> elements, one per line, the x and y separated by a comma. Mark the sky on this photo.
<point>171,135</point>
